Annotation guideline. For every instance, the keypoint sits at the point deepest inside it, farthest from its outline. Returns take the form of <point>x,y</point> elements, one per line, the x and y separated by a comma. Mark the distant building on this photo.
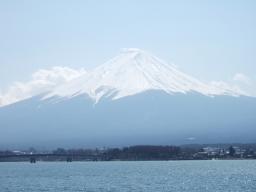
<point>212,151</point>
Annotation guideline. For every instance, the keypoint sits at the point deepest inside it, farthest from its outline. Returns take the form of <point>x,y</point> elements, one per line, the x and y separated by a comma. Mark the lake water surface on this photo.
<point>150,176</point>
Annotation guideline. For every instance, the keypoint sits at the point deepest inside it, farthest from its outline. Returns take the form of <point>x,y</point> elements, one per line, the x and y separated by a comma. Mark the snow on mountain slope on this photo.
<point>134,71</point>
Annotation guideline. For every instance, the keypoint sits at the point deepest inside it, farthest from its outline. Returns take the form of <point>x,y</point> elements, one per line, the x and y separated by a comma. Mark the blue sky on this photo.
<point>211,40</point>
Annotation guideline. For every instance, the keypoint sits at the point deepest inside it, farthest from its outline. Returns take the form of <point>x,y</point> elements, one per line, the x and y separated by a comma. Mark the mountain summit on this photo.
<point>134,71</point>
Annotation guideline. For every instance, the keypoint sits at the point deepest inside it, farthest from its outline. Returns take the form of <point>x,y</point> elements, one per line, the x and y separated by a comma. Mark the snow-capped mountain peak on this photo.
<point>134,71</point>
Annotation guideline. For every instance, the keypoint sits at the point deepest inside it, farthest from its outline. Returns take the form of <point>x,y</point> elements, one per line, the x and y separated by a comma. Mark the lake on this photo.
<point>148,176</point>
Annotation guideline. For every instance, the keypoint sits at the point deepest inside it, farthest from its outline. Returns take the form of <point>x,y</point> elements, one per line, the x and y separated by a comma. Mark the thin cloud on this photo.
<point>240,77</point>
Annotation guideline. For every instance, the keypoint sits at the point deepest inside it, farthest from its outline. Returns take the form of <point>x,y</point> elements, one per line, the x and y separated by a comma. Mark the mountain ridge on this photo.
<point>134,71</point>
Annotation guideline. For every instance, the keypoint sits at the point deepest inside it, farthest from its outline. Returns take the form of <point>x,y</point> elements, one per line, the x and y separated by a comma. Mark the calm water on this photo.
<point>185,176</point>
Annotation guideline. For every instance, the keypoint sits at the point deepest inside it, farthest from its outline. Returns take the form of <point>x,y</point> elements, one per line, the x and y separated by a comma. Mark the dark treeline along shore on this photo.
<point>135,153</point>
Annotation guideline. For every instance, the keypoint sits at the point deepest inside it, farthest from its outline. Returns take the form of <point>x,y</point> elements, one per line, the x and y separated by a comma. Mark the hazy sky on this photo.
<point>212,40</point>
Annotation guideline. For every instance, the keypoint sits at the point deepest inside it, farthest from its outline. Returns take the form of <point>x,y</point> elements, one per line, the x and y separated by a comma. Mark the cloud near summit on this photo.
<point>42,81</point>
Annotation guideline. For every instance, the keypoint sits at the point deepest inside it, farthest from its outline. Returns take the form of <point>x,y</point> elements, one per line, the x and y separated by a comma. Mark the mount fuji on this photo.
<point>135,98</point>
<point>134,71</point>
